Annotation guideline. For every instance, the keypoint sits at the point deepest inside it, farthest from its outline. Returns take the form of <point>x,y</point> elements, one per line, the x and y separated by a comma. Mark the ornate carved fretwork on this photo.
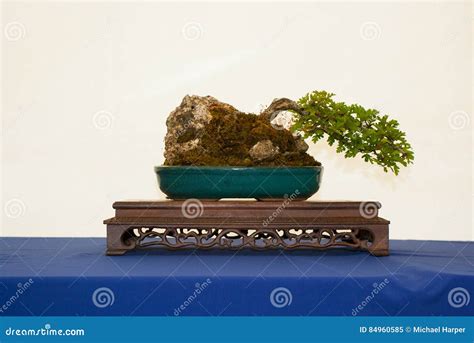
<point>321,238</point>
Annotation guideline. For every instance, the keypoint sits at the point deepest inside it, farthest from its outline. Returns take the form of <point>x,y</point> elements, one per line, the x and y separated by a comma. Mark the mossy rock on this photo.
<point>203,131</point>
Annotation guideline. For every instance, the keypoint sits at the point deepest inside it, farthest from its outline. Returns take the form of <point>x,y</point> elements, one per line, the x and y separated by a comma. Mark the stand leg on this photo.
<point>380,245</point>
<point>115,240</point>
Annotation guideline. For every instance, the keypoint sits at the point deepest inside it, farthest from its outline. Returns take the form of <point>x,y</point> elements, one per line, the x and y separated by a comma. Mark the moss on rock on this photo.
<point>226,138</point>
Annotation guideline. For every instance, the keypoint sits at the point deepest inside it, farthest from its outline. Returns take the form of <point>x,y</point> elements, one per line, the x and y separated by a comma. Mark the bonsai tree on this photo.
<point>203,131</point>
<point>355,129</point>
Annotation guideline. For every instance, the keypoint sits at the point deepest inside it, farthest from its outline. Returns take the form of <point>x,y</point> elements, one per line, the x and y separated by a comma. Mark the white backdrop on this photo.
<point>87,87</point>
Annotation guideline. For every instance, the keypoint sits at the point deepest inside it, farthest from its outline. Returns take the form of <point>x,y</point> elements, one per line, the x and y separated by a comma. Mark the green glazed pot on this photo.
<point>263,183</point>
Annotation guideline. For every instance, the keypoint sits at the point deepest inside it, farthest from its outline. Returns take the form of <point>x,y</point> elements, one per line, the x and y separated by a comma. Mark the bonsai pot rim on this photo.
<point>164,167</point>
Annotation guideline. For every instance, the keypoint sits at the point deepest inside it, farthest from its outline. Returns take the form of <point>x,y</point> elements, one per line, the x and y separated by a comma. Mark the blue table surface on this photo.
<point>72,276</point>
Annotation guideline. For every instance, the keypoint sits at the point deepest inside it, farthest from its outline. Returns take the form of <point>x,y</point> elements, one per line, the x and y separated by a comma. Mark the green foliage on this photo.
<point>356,130</point>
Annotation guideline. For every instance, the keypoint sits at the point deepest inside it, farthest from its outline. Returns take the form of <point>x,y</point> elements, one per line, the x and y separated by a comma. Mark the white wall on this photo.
<point>87,88</point>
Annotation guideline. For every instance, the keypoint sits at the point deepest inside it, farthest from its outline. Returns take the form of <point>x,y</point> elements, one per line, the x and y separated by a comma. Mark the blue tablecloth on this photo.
<point>72,276</point>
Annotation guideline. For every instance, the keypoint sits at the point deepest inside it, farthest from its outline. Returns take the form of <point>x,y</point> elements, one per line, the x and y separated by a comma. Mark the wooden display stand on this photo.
<point>240,224</point>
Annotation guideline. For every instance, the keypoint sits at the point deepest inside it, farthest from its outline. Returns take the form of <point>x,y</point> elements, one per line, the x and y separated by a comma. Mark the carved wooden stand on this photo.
<point>239,224</point>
